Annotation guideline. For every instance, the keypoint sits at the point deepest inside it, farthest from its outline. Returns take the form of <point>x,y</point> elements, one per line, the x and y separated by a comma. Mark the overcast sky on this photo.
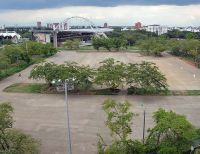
<point>115,12</point>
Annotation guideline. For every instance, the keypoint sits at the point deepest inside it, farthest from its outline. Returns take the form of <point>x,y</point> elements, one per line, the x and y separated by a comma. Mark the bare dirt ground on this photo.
<point>180,75</point>
<point>44,116</point>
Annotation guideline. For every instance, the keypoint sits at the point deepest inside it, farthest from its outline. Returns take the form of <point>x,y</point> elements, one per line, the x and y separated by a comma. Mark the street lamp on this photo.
<point>66,82</point>
<point>191,149</point>
<point>144,123</point>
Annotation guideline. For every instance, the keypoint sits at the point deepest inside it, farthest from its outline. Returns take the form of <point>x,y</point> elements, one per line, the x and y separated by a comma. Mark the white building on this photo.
<point>12,35</point>
<point>156,29</point>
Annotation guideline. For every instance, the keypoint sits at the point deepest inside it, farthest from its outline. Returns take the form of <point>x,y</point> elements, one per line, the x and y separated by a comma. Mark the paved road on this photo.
<point>44,117</point>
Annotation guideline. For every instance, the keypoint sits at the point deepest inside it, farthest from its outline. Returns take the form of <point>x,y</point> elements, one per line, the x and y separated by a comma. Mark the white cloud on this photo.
<point>119,15</point>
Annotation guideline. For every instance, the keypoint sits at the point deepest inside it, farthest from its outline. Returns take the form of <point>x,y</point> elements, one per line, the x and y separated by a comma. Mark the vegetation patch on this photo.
<point>44,89</point>
<point>14,141</point>
<point>16,57</point>
<point>171,134</point>
<point>26,88</point>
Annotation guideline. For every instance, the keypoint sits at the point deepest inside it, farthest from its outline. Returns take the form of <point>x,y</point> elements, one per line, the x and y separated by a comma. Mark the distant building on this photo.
<point>39,24</point>
<point>159,30</point>
<point>2,27</point>
<point>10,35</point>
<point>138,25</point>
<point>105,25</point>
<point>49,25</point>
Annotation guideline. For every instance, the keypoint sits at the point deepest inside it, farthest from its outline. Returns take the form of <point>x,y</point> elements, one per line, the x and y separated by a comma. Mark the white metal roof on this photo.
<point>10,33</point>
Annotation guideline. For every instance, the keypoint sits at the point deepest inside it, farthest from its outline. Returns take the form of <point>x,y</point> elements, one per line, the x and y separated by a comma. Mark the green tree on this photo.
<point>190,36</point>
<point>107,43</point>
<point>145,78</point>
<point>72,44</point>
<point>119,121</point>
<point>13,53</point>
<point>13,141</point>
<point>152,46</point>
<point>172,133</point>
<point>110,74</point>
<point>119,43</point>
<point>51,71</point>
<point>96,42</point>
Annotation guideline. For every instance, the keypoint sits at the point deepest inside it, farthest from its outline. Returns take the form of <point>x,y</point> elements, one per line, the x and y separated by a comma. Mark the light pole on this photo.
<point>68,122</point>
<point>66,82</point>
<point>191,149</point>
<point>144,123</point>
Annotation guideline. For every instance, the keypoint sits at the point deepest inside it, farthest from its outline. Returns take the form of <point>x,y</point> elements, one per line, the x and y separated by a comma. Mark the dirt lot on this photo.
<point>180,75</point>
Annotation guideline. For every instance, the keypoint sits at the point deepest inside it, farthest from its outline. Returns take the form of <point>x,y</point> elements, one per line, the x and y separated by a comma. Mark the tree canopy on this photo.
<point>172,133</point>
<point>13,141</point>
<point>119,121</point>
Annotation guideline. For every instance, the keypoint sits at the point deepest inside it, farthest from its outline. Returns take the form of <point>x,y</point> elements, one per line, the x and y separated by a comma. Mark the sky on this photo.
<point>114,12</point>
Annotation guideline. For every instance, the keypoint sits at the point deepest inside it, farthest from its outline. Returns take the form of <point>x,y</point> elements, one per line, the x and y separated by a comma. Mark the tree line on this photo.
<point>109,43</point>
<point>16,57</point>
<point>143,78</point>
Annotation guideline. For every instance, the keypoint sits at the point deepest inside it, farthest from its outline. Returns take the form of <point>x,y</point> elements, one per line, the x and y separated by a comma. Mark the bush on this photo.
<point>152,46</point>
<point>109,43</point>
<point>137,91</point>
<point>72,44</point>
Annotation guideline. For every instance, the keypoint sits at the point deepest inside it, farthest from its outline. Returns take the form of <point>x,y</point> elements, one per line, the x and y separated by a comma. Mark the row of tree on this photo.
<point>152,46</point>
<point>141,78</point>
<point>15,53</point>
<point>186,48</point>
<point>172,133</point>
<point>109,43</point>
<point>182,34</point>
<point>16,56</point>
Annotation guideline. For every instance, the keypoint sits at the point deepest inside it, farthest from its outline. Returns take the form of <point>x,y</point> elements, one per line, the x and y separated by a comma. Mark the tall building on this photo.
<point>105,25</point>
<point>50,25</point>
<point>39,24</point>
<point>138,25</point>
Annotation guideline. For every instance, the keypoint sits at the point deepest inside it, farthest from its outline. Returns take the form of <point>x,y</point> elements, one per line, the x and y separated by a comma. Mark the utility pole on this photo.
<point>144,123</point>
<point>68,122</point>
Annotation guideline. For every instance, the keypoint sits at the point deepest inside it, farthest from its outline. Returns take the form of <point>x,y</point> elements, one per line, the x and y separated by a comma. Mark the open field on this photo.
<point>43,115</point>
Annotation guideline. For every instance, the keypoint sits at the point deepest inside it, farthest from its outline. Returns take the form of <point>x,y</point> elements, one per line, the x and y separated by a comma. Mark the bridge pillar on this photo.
<point>55,39</point>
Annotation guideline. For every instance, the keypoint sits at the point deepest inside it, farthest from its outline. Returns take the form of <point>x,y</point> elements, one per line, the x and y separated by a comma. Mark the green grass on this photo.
<point>43,88</point>
<point>26,88</point>
<point>90,47</point>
